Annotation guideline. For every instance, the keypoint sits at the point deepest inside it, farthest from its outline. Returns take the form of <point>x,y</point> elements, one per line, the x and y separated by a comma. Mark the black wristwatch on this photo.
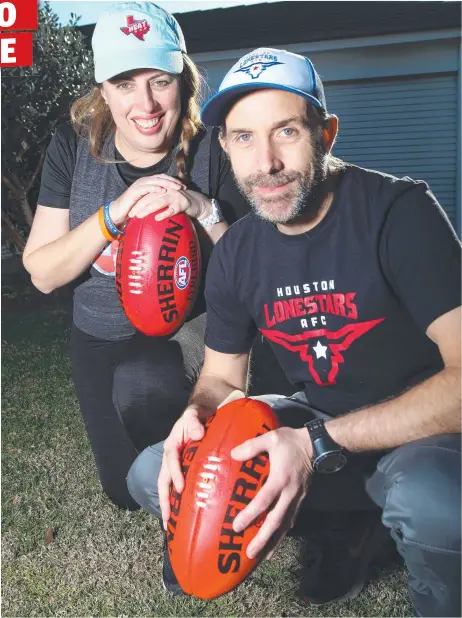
<point>328,456</point>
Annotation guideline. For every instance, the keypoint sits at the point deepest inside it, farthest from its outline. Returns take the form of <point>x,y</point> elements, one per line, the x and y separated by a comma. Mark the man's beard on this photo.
<point>305,195</point>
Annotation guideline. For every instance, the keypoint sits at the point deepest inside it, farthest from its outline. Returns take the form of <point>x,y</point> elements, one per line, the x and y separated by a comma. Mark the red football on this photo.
<point>157,273</point>
<point>207,556</point>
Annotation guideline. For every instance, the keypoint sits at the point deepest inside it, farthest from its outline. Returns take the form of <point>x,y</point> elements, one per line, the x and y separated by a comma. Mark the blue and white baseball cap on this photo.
<point>136,35</point>
<point>265,68</point>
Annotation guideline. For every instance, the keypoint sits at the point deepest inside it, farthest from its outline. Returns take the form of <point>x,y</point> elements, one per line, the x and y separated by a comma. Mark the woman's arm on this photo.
<point>54,255</point>
<point>215,231</point>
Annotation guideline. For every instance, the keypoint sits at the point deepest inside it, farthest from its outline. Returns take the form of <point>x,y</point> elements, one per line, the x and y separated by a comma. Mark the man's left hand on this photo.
<point>289,452</point>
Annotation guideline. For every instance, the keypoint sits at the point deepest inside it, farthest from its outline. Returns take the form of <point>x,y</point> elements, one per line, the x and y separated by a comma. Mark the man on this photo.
<point>354,278</point>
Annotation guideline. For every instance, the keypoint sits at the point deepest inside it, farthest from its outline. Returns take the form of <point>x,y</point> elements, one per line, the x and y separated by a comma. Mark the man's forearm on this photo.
<point>430,408</point>
<point>209,392</point>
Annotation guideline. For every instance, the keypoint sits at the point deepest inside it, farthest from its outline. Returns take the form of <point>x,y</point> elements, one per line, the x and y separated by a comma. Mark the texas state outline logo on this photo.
<point>137,27</point>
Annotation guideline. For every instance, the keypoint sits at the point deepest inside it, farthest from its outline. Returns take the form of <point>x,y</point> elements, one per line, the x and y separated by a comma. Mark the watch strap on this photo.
<point>315,428</point>
<point>215,217</point>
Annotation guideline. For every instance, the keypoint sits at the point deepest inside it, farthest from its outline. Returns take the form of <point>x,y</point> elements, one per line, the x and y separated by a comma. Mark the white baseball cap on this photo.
<point>265,68</point>
<point>136,35</point>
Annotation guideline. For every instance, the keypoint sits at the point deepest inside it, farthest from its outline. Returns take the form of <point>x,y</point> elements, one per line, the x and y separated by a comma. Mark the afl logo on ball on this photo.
<point>182,273</point>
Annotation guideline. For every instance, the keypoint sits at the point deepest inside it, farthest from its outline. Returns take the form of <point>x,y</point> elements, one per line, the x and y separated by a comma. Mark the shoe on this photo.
<point>169,580</point>
<point>335,559</point>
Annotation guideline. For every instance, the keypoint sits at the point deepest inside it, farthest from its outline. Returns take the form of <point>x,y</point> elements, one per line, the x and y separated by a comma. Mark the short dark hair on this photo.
<point>317,118</point>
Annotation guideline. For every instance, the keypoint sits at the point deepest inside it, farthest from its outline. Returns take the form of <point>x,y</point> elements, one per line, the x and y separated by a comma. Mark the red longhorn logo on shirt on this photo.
<point>343,338</point>
<point>137,27</point>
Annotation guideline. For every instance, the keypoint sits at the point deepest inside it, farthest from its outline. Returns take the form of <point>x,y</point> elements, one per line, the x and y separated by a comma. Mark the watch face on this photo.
<point>330,462</point>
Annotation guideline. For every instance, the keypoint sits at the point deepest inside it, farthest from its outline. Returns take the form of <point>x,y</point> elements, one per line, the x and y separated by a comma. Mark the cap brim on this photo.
<point>110,66</point>
<point>214,111</point>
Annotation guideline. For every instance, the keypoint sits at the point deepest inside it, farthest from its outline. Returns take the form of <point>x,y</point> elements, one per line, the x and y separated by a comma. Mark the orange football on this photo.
<point>207,556</point>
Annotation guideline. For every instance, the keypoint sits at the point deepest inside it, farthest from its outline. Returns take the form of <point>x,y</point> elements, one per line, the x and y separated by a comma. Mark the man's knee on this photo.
<point>421,483</point>
<point>142,478</point>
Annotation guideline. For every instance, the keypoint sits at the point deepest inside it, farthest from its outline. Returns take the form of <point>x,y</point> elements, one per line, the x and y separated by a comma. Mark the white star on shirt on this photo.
<point>320,350</point>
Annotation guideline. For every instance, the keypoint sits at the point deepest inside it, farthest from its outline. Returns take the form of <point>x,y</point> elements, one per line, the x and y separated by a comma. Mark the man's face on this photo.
<point>273,155</point>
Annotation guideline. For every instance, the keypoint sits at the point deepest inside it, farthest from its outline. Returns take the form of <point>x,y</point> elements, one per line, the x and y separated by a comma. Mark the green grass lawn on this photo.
<point>67,551</point>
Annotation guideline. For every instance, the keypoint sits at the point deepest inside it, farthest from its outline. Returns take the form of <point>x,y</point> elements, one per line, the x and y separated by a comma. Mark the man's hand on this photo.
<point>289,453</point>
<point>187,427</point>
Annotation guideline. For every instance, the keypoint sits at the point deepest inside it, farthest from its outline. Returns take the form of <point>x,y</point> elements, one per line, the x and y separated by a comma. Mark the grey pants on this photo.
<point>417,487</point>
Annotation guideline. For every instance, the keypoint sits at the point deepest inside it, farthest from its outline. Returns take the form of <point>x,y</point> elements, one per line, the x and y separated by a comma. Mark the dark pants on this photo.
<point>417,487</point>
<point>131,392</point>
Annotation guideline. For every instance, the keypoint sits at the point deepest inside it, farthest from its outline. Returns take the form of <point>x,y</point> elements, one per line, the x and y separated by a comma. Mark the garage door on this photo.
<point>404,127</point>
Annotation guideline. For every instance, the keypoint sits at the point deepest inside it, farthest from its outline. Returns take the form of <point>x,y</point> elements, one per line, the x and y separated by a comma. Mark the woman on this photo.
<point>135,144</point>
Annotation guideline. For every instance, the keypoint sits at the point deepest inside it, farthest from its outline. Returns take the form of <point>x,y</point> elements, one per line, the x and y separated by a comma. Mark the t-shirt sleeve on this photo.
<point>58,168</point>
<point>421,256</point>
<point>230,328</point>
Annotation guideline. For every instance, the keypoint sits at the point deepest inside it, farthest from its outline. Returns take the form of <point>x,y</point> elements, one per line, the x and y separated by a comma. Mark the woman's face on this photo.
<point>146,107</point>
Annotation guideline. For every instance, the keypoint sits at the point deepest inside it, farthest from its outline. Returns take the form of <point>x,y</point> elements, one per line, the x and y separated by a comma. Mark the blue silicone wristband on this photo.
<point>109,222</point>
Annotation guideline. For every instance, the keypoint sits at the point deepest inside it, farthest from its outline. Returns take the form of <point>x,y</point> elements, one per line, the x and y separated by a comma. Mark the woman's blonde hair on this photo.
<point>91,116</point>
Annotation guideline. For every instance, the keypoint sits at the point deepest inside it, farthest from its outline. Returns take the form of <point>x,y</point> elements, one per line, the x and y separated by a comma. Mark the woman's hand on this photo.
<point>154,186</point>
<point>172,202</point>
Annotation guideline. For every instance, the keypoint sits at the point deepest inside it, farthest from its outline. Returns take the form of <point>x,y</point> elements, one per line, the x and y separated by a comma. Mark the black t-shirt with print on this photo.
<point>346,305</point>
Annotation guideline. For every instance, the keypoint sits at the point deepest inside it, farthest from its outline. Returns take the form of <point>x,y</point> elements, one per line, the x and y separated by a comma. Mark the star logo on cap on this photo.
<point>256,68</point>
<point>137,27</point>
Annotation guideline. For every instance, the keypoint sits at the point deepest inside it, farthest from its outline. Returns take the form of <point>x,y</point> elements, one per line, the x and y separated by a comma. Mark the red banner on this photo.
<point>19,15</point>
<point>16,49</point>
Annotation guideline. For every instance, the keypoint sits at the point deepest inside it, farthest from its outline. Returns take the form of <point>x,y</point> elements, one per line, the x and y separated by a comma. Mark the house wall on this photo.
<point>398,101</point>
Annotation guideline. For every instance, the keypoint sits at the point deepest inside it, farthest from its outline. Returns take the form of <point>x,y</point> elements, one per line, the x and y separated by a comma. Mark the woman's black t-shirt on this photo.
<point>72,179</point>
